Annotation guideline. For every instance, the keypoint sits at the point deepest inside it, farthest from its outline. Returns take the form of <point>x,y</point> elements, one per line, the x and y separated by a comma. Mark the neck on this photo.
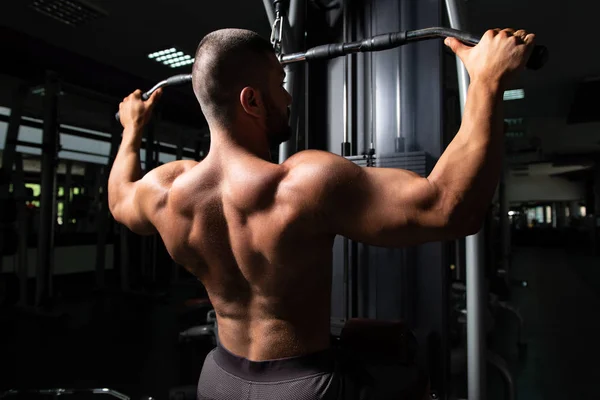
<point>239,141</point>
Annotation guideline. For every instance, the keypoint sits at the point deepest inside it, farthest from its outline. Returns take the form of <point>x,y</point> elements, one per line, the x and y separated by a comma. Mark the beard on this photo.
<point>278,126</point>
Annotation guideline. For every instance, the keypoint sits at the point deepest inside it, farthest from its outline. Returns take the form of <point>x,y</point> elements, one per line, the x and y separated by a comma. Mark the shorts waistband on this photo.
<point>275,370</point>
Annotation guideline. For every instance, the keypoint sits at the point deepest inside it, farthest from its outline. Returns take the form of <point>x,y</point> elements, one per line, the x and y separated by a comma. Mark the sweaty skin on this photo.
<point>259,235</point>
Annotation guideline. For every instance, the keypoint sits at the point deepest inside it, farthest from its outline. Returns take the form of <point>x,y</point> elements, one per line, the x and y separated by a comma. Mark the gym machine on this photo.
<point>286,38</point>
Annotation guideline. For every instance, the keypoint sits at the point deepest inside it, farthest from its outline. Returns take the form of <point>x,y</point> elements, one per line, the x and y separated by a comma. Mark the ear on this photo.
<point>251,101</point>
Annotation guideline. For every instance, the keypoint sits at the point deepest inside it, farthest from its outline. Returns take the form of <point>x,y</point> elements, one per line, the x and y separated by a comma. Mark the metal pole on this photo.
<point>67,226</point>
<point>270,10</point>
<point>12,132</point>
<point>504,222</point>
<point>10,143</point>
<point>346,143</point>
<point>124,239</point>
<point>293,35</point>
<point>405,95</point>
<point>48,191</point>
<point>102,226</point>
<point>475,257</point>
<point>345,151</point>
<point>23,226</point>
<point>178,156</point>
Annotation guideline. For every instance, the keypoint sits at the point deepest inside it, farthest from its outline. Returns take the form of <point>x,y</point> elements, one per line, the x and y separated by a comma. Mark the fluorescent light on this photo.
<point>171,57</point>
<point>516,94</point>
<point>168,56</point>
<point>161,53</point>
<point>514,121</point>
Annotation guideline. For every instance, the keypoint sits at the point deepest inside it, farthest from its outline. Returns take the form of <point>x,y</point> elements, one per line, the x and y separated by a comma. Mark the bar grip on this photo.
<point>538,58</point>
<point>383,42</point>
<point>171,81</point>
<point>325,51</point>
<point>375,43</point>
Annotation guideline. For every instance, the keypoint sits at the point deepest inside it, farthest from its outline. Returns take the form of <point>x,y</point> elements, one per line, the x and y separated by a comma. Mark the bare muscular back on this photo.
<point>241,230</point>
<point>259,236</point>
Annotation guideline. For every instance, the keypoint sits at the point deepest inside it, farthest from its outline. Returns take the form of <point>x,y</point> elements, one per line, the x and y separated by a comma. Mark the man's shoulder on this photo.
<point>313,175</point>
<point>312,157</point>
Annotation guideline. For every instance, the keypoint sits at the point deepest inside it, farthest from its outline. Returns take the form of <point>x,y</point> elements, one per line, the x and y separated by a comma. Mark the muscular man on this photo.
<point>259,235</point>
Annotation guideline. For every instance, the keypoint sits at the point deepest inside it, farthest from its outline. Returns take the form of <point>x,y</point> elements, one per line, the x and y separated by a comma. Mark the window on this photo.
<point>539,215</point>
<point>73,147</point>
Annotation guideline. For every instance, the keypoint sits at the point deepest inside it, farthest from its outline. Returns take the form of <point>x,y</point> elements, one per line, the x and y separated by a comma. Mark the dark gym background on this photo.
<point>86,304</point>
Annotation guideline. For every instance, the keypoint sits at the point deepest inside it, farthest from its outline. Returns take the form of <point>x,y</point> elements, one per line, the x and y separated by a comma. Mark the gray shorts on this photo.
<point>320,376</point>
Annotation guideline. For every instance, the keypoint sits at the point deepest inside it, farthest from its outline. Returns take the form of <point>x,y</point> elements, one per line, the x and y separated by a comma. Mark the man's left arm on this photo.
<point>131,197</point>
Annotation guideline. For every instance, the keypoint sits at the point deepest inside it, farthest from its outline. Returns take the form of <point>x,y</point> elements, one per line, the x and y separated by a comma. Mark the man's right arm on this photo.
<point>393,207</point>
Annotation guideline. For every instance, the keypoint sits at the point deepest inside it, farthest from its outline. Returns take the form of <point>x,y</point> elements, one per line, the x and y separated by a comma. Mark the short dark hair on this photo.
<point>226,61</point>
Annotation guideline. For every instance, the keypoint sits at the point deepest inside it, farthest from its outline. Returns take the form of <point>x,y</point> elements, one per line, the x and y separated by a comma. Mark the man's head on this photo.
<point>239,83</point>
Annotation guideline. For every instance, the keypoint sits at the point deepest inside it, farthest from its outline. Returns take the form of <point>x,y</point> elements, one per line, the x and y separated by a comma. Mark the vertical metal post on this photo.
<point>346,151</point>
<point>23,229</point>
<point>67,226</point>
<point>504,222</point>
<point>48,191</point>
<point>293,36</point>
<point>10,144</point>
<point>145,241</point>
<point>178,156</point>
<point>150,146</point>
<point>123,232</point>
<point>346,145</point>
<point>475,257</point>
<point>405,95</point>
<point>102,225</point>
<point>12,132</point>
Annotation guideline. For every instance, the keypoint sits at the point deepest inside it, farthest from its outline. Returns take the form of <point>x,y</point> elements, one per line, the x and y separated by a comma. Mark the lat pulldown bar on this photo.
<point>386,41</point>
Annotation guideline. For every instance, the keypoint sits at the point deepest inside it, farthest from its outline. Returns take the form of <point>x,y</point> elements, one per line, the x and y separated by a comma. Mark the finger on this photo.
<point>520,32</point>
<point>154,97</point>
<point>137,94</point>
<point>506,33</point>
<point>456,46</point>
<point>520,35</point>
<point>529,38</point>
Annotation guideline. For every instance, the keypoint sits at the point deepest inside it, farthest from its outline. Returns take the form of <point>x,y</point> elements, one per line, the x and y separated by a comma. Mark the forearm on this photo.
<point>467,173</point>
<point>127,168</point>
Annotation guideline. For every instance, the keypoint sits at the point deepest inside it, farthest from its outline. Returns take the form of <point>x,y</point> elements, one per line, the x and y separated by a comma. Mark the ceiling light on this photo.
<point>516,94</point>
<point>513,121</point>
<point>70,12</point>
<point>171,57</point>
<point>168,56</point>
